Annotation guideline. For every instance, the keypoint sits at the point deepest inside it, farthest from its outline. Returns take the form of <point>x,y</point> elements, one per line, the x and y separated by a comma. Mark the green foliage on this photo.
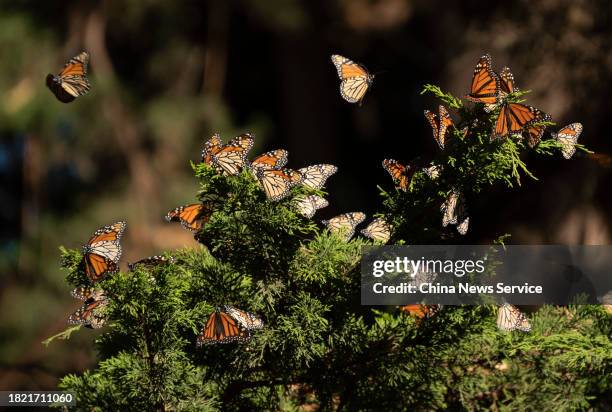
<point>320,347</point>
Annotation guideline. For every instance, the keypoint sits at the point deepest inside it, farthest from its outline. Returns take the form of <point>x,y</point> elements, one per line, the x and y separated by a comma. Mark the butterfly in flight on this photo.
<point>192,216</point>
<point>568,137</point>
<point>102,252</point>
<point>278,183</point>
<point>307,206</point>
<point>401,175</point>
<point>151,262</point>
<point>91,314</point>
<point>274,159</point>
<point>439,124</point>
<point>454,212</point>
<point>230,158</point>
<point>315,176</point>
<point>222,327</point>
<point>72,81</point>
<point>378,230</point>
<point>345,223</point>
<point>510,318</point>
<point>355,79</point>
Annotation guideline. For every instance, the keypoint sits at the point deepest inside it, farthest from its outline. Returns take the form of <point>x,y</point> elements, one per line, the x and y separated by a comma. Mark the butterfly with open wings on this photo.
<point>102,252</point>
<point>355,79</point>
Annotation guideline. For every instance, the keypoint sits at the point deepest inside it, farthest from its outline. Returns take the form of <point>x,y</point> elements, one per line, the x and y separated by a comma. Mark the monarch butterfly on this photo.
<point>356,80</point>
<point>506,82</point>
<point>378,230</point>
<point>433,171</point>
<point>485,84</point>
<point>151,261</point>
<point>274,159</point>
<point>421,311</point>
<point>513,117</point>
<point>510,318</point>
<point>278,183</point>
<point>91,314</point>
<point>192,216</point>
<point>307,206</point>
<point>247,320</point>
<point>568,137</point>
<point>439,124</point>
<point>221,327</point>
<point>102,252</point>
<point>454,212</point>
<point>212,145</point>
<point>229,158</point>
<point>402,175</point>
<point>345,223</point>
<point>72,81</point>
<point>315,176</point>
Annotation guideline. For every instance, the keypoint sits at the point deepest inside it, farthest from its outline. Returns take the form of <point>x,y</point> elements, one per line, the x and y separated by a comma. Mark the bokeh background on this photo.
<point>165,75</point>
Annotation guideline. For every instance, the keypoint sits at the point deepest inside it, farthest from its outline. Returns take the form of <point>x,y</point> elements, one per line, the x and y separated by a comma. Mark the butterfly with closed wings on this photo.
<point>378,230</point>
<point>192,217</point>
<point>568,137</point>
<point>439,124</point>
<point>315,176</point>
<point>454,212</point>
<point>510,318</point>
<point>278,183</point>
<point>345,224</point>
<point>355,79</point>
<point>274,159</point>
<point>72,81</point>
<point>102,252</point>
<point>307,206</point>
<point>91,314</point>
<point>231,158</point>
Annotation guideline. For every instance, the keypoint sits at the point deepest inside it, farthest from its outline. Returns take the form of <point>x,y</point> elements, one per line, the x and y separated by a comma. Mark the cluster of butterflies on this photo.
<point>276,182</point>
<point>488,87</point>
<point>101,257</point>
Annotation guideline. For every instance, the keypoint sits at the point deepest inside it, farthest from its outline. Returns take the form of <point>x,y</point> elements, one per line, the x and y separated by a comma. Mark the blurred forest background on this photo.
<point>167,74</point>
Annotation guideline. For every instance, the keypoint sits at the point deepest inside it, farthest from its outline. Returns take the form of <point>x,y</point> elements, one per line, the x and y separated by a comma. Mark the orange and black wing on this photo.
<point>222,328</point>
<point>278,183</point>
<point>72,81</point>
<point>232,158</point>
<point>102,252</point>
<point>192,216</point>
<point>420,311</point>
<point>568,137</point>
<point>485,83</point>
<point>274,159</point>
<point>91,314</point>
<point>445,122</point>
<point>506,81</point>
<point>211,147</point>
<point>513,117</point>
<point>355,79</point>
<point>401,174</point>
